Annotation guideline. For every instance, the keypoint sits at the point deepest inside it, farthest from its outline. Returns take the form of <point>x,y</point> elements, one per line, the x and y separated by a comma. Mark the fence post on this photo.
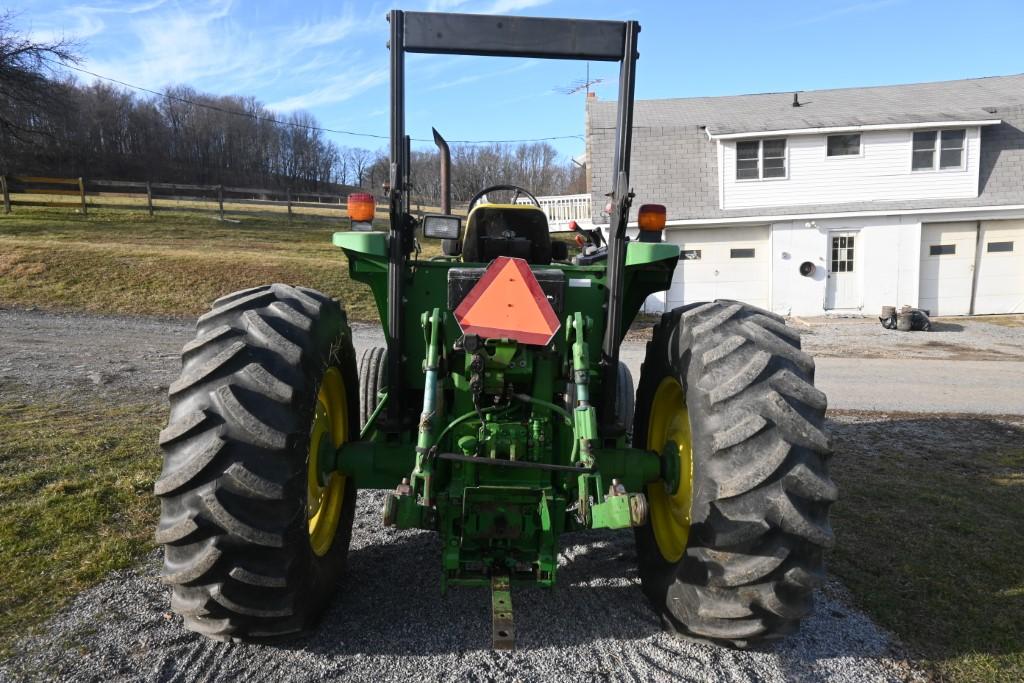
<point>288,199</point>
<point>149,197</point>
<point>220,200</point>
<point>81,193</point>
<point>7,196</point>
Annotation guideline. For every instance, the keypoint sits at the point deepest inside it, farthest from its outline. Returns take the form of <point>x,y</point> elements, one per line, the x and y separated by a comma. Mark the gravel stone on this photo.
<point>118,358</point>
<point>389,621</point>
<point>950,339</point>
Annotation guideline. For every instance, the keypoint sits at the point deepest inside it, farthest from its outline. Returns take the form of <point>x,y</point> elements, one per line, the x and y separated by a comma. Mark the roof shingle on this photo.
<point>674,162</point>
<point>945,100</point>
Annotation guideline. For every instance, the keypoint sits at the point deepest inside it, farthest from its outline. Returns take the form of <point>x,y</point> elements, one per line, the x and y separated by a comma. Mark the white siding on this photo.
<point>880,173</point>
<point>888,249</point>
<point>717,274</point>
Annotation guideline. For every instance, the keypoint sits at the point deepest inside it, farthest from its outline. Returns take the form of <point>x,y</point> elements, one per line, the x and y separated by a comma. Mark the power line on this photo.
<point>269,119</point>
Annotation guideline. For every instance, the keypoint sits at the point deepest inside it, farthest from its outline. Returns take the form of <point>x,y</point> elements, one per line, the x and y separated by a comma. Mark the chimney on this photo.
<point>796,100</point>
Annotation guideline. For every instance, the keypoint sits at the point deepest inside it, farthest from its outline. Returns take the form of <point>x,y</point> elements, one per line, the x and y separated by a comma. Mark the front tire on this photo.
<point>734,548</point>
<point>254,537</point>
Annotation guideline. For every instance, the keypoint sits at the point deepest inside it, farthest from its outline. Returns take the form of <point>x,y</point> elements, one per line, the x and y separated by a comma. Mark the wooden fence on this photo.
<point>84,194</point>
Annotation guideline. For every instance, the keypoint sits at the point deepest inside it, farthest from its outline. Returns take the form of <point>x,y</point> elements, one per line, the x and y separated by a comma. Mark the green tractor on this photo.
<point>499,415</point>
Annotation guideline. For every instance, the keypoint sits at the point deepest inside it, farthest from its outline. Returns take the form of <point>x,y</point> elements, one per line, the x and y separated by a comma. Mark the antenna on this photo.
<point>580,84</point>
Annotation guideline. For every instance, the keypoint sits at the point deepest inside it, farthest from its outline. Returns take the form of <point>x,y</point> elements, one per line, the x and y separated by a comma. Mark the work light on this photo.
<point>441,226</point>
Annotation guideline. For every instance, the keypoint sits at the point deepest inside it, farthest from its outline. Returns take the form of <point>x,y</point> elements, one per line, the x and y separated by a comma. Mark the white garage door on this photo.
<point>722,263</point>
<point>1001,268</point>
<point>947,267</point>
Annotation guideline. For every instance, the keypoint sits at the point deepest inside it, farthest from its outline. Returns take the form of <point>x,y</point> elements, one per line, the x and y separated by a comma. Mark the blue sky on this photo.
<point>329,58</point>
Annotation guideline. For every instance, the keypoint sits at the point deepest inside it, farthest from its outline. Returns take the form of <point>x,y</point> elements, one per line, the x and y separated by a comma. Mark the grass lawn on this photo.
<point>76,499</point>
<point>115,261</point>
<point>929,536</point>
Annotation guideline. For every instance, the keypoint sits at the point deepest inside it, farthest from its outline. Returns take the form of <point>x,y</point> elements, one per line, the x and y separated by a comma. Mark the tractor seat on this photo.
<point>515,230</point>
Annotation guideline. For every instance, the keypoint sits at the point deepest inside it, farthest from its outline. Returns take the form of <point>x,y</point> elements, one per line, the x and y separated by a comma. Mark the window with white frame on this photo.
<point>938,149</point>
<point>758,159</point>
<point>843,145</point>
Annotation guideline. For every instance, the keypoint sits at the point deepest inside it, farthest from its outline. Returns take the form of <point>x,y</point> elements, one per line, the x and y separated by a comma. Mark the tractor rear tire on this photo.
<point>254,543</point>
<point>727,393</point>
<point>372,366</point>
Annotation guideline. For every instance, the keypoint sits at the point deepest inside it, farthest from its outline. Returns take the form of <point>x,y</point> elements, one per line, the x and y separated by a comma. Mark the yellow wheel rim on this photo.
<point>324,501</point>
<point>670,511</point>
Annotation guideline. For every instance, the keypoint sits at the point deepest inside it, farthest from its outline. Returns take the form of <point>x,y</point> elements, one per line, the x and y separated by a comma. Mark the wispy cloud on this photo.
<point>339,88</point>
<point>856,8</point>
<point>80,21</point>
<point>213,46</point>
<point>505,6</point>
<point>480,76</point>
<point>182,45</point>
<point>291,60</point>
<point>493,7</point>
<point>331,29</point>
<point>445,5</point>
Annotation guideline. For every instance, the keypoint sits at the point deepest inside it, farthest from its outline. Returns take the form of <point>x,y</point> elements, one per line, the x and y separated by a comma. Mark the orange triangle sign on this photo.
<point>508,303</point>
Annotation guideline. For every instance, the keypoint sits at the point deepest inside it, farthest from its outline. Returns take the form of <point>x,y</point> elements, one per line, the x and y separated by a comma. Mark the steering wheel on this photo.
<point>515,189</point>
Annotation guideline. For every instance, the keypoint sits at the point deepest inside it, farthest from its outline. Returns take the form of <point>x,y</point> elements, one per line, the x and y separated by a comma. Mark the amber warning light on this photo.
<point>361,207</point>
<point>651,217</point>
<point>651,221</point>
<point>508,303</point>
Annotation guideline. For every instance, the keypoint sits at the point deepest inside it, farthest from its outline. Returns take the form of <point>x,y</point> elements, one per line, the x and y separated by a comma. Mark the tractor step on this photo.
<point>503,635</point>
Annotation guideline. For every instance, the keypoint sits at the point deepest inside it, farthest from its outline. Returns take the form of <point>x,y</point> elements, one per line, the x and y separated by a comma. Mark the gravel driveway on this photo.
<point>390,620</point>
<point>135,359</point>
<point>950,339</point>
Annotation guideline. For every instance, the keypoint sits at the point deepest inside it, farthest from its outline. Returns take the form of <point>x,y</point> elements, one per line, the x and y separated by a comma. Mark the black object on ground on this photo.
<point>907,320</point>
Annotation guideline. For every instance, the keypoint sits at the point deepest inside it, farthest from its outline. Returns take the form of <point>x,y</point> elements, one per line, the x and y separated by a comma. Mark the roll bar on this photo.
<point>500,36</point>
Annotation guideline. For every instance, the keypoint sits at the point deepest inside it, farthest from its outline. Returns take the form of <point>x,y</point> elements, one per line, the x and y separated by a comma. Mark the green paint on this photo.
<point>501,402</point>
<point>362,243</point>
<point>613,513</point>
<point>643,253</point>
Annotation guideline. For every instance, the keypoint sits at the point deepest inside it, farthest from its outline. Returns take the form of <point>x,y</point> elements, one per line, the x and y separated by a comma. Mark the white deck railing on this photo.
<point>561,209</point>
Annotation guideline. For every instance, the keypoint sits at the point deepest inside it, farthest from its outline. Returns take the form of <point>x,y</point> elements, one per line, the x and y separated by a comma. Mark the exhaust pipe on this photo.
<point>448,247</point>
<point>446,167</point>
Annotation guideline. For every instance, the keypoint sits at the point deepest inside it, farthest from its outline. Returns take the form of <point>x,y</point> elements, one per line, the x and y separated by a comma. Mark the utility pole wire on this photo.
<point>279,122</point>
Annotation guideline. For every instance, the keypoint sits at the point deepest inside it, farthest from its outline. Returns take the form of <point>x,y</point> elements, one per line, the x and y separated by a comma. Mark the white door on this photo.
<point>1001,268</point>
<point>843,288</point>
<point>947,267</point>
<point>722,263</point>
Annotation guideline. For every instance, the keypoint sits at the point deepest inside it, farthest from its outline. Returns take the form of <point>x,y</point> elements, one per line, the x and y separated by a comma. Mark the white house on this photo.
<point>910,194</point>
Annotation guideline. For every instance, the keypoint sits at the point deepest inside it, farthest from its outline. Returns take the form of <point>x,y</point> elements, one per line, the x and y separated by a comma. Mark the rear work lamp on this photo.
<point>441,226</point>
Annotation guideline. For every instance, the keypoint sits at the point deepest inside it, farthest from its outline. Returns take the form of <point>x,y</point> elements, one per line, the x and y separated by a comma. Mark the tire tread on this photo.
<point>761,485</point>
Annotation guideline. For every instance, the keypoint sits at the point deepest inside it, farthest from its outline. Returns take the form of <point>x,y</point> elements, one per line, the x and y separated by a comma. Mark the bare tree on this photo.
<point>52,125</point>
<point>26,70</point>
<point>359,160</point>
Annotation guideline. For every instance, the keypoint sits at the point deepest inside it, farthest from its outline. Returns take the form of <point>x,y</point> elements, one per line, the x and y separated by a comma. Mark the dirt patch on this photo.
<point>12,265</point>
<point>956,352</point>
<point>640,331</point>
<point>951,339</point>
